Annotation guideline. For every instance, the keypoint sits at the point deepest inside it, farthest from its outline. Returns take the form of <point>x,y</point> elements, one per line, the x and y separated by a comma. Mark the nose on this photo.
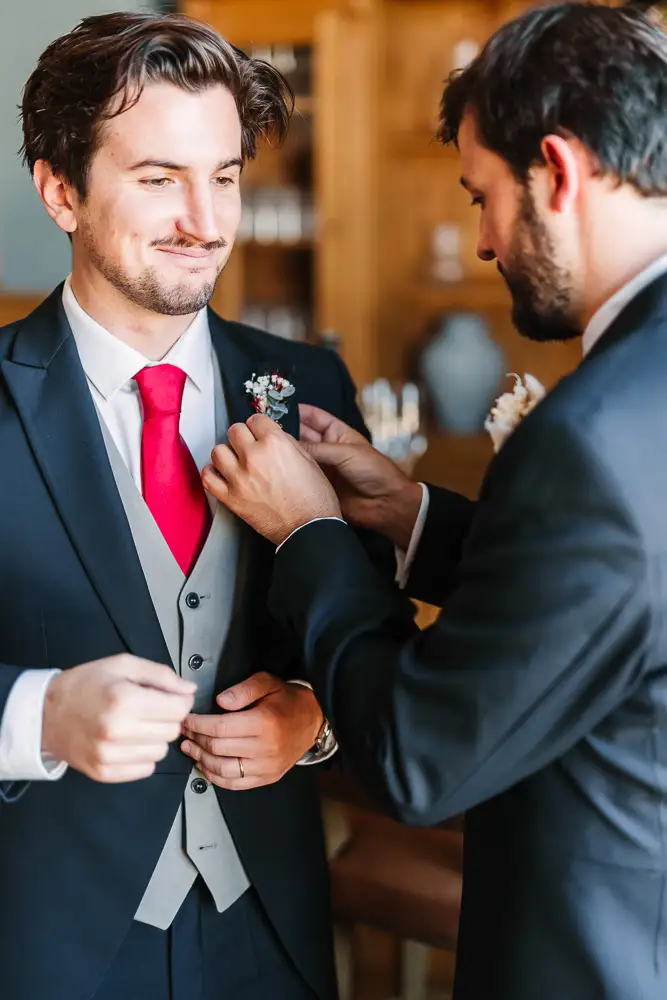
<point>484,249</point>
<point>199,220</point>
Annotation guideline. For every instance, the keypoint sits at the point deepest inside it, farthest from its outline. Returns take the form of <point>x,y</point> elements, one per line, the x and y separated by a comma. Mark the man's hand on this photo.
<point>265,477</point>
<point>373,492</point>
<point>113,719</point>
<point>268,727</point>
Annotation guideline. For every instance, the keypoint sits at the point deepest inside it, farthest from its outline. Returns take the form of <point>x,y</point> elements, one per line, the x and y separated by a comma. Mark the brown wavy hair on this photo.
<point>99,69</point>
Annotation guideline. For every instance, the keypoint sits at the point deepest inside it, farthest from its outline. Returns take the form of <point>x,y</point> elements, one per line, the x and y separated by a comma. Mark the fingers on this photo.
<point>224,459</point>
<point>308,435</point>
<point>246,747</point>
<point>240,438</point>
<point>226,773</point>
<point>224,727</point>
<point>248,692</point>
<point>124,772</point>
<point>262,426</point>
<point>332,456</point>
<point>149,733</point>
<point>149,705</point>
<point>127,754</point>
<point>314,419</point>
<point>153,675</point>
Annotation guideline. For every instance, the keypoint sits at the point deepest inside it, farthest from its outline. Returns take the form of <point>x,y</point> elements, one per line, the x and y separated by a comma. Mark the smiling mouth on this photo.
<point>192,254</point>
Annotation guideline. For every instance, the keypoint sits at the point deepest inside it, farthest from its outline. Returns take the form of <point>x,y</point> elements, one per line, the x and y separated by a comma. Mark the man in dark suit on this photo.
<point>130,599</point>
<point>537,703</point>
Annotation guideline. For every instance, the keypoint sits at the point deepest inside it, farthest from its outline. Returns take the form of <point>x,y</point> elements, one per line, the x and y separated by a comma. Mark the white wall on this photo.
<point>34,254</point>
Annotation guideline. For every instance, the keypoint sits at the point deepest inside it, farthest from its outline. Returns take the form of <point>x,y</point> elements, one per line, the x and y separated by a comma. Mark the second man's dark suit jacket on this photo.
<point>538,701</point>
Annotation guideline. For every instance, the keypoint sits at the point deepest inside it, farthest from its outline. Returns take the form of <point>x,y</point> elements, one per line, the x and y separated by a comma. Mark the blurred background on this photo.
<point>355,235</point>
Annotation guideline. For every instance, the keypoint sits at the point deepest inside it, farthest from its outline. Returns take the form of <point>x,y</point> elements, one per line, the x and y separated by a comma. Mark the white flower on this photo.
<point>511,408</point>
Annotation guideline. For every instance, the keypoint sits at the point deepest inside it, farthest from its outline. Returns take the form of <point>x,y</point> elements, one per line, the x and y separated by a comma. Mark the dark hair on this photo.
<point>98,70</point>
<point>572,69</point>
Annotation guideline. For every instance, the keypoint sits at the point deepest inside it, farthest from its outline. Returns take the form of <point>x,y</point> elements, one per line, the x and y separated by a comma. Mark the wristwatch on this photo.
<point>325,742</point>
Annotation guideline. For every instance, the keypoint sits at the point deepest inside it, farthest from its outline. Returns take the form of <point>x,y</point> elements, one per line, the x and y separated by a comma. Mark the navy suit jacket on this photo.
<point>538,701</point>
<point>76,856</point>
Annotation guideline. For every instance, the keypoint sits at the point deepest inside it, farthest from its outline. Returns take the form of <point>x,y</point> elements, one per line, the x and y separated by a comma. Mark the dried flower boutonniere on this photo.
<point>512,407</point>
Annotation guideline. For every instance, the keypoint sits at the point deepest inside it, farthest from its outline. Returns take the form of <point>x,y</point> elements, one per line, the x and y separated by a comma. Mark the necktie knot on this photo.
<point>161,389</point>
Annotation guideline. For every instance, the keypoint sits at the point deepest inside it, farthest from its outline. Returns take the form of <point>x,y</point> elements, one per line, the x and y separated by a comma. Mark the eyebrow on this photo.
<point>169,165</point>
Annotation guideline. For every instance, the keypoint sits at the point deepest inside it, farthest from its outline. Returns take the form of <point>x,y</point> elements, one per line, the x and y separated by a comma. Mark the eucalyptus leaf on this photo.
<point>288,391</point>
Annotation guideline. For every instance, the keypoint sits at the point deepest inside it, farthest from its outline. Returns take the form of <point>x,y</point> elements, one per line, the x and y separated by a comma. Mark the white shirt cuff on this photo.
<point>21,757</point>
<point>321,757</point>
<point>306,525</point>
<point>404,560</point>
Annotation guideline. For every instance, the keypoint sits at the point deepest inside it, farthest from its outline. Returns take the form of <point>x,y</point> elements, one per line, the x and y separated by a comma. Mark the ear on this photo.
<point>58,197</point>
<point>563,168</point>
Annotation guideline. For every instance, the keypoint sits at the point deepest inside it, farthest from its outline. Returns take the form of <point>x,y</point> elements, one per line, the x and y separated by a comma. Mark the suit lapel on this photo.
<point>239,360</point>
<point>48,385</point>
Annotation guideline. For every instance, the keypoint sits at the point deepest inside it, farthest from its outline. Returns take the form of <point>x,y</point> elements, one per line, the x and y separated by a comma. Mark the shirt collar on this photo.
<point>110,364</point>
<point>614,306</point>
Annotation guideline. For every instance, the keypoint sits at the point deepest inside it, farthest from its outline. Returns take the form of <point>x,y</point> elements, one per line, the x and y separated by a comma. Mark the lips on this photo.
<point>194,254</point>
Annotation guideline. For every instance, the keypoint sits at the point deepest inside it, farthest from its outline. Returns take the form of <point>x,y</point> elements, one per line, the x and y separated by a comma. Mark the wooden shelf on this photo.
<point>467,294</point>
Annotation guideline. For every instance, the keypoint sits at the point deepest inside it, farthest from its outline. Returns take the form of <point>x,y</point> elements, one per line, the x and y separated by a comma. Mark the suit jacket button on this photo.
<point>198,786</point>
<point>192,600</point>
<point>195,662</point>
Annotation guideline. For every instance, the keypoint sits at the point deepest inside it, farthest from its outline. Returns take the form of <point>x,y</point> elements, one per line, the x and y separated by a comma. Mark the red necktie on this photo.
<point>171,484</point>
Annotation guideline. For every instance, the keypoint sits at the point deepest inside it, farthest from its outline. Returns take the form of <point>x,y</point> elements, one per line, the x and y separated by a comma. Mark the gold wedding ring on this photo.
<point>241,768</point>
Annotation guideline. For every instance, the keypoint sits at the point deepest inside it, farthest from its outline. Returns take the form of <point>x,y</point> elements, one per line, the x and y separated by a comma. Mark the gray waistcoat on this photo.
<point>199,840</point>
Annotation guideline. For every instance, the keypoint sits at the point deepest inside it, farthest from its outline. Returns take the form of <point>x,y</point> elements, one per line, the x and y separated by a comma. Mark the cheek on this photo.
<point>228,211</point>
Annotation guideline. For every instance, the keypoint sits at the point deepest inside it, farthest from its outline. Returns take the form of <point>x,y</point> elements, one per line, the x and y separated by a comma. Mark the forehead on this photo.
<point>168,120</point>
<point>479,165</point>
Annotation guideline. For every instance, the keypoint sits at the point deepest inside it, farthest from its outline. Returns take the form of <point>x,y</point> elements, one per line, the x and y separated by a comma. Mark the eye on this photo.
<point>224,182</point>
<point>156,182</point>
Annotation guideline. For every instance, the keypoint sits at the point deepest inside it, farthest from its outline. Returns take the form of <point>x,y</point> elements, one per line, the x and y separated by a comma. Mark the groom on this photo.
<point>538,701</point>
<point>130,599</point>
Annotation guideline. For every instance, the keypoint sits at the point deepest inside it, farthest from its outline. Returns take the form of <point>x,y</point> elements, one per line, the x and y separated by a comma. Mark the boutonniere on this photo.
<point>512,407</point>
<point>268,394</point>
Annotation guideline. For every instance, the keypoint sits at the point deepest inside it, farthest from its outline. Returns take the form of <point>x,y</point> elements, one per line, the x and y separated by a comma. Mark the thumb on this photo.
<point>333,455</point>
<point>156,675</point>
<point>248,692</point>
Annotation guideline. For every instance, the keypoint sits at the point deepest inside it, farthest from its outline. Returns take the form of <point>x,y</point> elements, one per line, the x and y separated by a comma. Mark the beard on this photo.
<point>542,292</point>
<point>147,290</point>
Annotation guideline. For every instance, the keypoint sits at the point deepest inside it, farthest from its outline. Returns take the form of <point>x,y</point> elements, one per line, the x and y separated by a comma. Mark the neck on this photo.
<point>626,233</point>
<point>151,334</point>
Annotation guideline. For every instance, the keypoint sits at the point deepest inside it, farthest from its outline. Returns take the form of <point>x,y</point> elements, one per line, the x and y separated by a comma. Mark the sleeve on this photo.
<point>437,555</point>
<point>547,630</point>
<point>21,757</point>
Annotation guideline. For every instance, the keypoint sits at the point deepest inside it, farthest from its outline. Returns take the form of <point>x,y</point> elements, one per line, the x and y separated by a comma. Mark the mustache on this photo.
<point>180,243</point>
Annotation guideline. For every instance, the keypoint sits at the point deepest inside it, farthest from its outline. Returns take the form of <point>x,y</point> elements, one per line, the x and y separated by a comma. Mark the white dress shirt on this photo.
<point>110,366</point>
<point>614,306</point>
